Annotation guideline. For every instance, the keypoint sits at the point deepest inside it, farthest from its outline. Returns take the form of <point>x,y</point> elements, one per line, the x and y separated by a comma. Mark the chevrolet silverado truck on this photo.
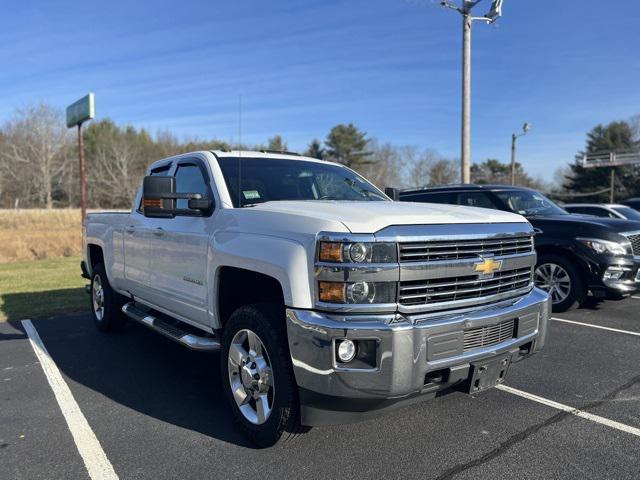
<point>327,301</point>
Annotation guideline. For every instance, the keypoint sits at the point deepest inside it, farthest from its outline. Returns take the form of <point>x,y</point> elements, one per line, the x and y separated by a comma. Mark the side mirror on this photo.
<point>159,199</point>
<point>392,193</point>
<point>157,193</point>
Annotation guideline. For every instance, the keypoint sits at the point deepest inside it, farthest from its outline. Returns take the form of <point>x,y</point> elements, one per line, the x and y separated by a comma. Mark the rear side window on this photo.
<point>189,179</point>
<point>476,199</point>
<point>598,212</point>
<point>436,197</point>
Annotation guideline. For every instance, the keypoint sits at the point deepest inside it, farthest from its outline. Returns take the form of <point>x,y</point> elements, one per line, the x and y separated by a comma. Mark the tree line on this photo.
<point>39,166</point>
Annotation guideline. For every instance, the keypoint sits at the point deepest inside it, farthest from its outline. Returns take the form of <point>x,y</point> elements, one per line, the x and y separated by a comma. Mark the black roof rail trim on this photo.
<point>282,152</point>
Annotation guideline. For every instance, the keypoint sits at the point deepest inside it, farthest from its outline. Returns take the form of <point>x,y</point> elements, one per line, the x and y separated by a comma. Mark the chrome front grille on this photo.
<point>490,335</point>
<point>461,249</point>
<point>634,238</point>
<point>451,289</point>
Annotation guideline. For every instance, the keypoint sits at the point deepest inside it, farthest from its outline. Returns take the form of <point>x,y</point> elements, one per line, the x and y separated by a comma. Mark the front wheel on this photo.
<point>106,304</point>
<point>257,375</point>
<point>561,280</point>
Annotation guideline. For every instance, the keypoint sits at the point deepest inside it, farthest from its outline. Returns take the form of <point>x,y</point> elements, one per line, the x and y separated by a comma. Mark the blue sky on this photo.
<point>390,66</point>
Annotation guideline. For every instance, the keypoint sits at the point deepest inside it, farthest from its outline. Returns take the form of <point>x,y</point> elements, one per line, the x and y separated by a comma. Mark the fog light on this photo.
<point>346,351</point>
<point>613,273</point>
<point>358,292</point>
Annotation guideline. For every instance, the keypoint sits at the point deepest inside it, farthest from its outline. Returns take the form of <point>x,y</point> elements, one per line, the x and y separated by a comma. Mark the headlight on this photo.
<point>357,292</point>
<point>603,246</point>
<point>357,252</point>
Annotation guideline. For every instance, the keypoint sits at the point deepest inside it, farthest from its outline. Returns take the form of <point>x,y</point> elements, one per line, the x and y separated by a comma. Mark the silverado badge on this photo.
<point>488,266</point>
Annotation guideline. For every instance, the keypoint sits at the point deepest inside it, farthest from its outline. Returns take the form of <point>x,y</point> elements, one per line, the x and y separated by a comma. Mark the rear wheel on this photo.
<point>561,280</point>
<point>257,375</point>
<point>106,304</point>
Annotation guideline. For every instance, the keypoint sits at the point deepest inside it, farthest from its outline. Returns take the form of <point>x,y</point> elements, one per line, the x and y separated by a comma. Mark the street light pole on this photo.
<point>467,21</point>
<point>465,157</point>
<point>525,128</point>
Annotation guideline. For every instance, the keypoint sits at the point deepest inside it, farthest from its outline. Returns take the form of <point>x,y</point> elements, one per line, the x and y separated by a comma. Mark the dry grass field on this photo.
<point>39,234</point>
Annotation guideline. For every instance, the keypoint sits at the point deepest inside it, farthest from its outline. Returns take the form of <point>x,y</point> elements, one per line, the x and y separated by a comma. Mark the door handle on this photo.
<point>158,232</point>
<point>130,229</point>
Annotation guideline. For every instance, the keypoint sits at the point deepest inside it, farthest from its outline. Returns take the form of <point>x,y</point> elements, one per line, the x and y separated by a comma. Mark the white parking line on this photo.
<point>94,458</point>
<point>617,330</point>
<point>636,297</point>
<point>573,411</point>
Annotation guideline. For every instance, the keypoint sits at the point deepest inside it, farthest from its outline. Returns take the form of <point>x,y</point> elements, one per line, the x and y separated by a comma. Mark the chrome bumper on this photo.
<point>408,347</point>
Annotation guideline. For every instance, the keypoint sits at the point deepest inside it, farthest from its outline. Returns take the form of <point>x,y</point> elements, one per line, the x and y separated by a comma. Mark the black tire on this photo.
<point>267,322</point>
<point>110,318</point>
<point>577,292</point>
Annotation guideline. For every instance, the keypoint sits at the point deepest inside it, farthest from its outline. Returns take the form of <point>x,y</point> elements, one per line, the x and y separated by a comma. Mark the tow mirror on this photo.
<point>159,199</point>
<point>157,193</point>
<point>392,193</point>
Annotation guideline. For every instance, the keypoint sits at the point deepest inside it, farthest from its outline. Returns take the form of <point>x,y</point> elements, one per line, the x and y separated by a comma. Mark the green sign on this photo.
<point>82,110</point>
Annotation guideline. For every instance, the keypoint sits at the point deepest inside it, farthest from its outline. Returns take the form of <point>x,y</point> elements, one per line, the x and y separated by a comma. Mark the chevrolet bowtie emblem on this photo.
<point>488,266</point>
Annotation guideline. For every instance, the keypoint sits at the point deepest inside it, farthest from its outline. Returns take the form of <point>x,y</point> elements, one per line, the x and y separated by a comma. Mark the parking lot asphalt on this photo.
<point>157,411</point>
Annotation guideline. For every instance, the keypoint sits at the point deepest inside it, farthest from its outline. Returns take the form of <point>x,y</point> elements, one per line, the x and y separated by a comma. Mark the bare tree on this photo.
<point>431,168</point>
<point>34,152</point>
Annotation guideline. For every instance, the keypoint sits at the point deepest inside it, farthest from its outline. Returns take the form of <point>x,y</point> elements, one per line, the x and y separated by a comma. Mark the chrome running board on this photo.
<point>169,330</point>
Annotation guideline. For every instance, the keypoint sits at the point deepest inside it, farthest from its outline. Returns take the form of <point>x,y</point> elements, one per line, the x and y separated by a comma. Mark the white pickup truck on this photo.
<point>327,301</point>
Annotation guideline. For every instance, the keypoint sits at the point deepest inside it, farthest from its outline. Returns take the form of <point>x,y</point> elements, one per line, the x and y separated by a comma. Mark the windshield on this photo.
<point>628,212</point>
<point>266,180</point>
<point>529,203</point>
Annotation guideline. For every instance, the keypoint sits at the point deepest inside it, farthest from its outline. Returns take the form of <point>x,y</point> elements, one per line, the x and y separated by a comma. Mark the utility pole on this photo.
<point>467,20</point>
<point>525,128</point>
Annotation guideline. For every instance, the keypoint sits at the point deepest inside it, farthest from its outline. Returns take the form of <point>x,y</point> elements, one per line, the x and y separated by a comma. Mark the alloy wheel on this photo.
<point>251,376</point>
<point>553,279</point>
<point>98,298</point>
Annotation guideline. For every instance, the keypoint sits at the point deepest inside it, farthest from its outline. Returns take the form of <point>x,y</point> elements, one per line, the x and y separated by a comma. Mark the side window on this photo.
<point>598,212</point>
<point>476,199</point>
<point>439,197</point>
<point>189,179</point>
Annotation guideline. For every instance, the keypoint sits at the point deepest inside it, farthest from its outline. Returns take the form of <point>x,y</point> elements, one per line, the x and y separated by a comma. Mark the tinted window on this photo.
<point>189,179</point>
<point>628,212</point>
<point>267,180</point>
<point>598,212</point>
<point>529,202</point>
<point>476,199</point>
<point>436,197</point>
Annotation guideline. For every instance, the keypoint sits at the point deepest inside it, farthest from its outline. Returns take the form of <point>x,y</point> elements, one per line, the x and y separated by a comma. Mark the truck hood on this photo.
<point>370,217</point>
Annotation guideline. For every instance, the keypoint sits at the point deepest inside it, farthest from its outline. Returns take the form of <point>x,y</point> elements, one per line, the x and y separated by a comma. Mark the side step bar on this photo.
<point>174,332</point>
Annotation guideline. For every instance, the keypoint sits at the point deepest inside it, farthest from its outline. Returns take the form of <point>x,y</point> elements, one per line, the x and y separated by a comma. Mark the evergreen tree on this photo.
<point>315,150</point>
<point>277,144</point>
<point>346,144</point>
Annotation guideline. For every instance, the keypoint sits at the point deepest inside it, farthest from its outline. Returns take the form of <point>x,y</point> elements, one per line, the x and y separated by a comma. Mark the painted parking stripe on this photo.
<point>617,330</point>
<point>573,411</point>
<point>95,460</point>
<point>637,297</point>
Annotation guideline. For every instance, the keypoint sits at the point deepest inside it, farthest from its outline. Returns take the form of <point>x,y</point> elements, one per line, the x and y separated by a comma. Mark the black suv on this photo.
<point>576,253</point>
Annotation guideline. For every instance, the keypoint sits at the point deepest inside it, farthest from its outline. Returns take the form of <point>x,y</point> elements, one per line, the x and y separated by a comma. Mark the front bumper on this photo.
<point>410,352</point>
<point>627,268</point>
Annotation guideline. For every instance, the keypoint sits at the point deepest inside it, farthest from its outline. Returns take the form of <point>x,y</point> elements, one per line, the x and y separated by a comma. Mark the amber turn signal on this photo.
<point>330,252</point>
<point>332,292</point>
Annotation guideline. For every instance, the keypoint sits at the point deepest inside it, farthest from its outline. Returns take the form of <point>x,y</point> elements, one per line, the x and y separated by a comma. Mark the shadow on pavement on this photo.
<point>145,372</point>
<point>18,306</point>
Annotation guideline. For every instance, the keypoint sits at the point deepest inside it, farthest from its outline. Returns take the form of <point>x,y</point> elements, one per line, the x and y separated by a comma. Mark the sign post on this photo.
<point>78,113</point>
<point>611,159</point>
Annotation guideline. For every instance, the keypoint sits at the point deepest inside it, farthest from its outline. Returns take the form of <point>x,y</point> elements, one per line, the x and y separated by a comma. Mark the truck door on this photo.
<point>137,237</point>
<point>179,249</point>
